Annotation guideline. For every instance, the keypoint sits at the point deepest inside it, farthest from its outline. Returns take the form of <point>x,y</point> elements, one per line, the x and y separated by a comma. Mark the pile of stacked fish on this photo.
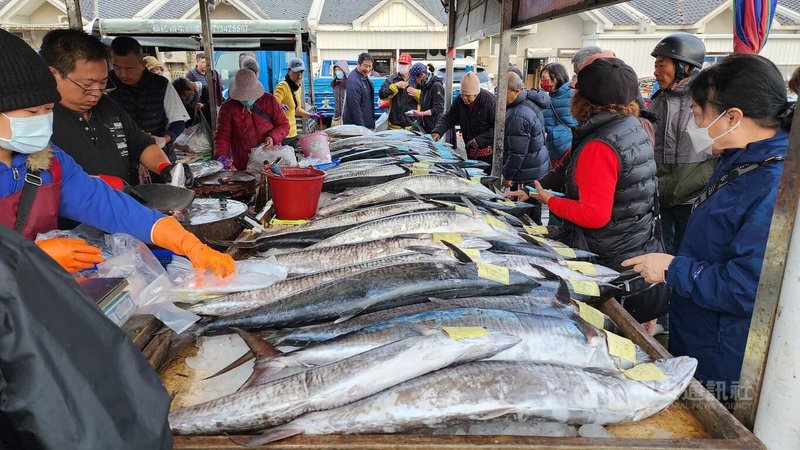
<point>419,298</point>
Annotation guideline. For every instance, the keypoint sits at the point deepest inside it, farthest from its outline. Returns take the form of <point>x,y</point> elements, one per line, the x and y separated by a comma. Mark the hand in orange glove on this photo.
<point>71,254</point>
<point>170,234</point>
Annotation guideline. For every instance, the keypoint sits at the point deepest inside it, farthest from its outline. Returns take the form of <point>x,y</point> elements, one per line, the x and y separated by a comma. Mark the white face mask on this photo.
<point>29,134</point>
<point>701,141</point>
<point>403,69</point>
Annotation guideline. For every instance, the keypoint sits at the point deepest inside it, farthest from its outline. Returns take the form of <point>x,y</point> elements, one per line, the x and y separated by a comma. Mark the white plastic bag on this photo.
<point>270,154</point>
<point>196,139</point>
<point>250,275</point>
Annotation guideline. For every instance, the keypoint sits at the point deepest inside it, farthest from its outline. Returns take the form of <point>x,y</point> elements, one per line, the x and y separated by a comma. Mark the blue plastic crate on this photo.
<point>163,256</point>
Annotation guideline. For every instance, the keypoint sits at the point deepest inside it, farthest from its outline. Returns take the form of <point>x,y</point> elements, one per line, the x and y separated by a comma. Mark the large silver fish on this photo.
<point>245,301</point>
<point>436,221</point>
<point>578,343</point>
<point>322,228</point>
<point>333,385</point>
<point>317,260</point>
<point>489,389</point>
<point>376,289</point>
<point>396,190</point>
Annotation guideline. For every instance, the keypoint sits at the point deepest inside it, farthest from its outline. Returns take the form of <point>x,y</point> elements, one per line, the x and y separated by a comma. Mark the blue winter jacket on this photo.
<point>715,276</point>
<point>525,156</point>
<point>559,135</point>
<point>86,199</point>
<point>359,108</point>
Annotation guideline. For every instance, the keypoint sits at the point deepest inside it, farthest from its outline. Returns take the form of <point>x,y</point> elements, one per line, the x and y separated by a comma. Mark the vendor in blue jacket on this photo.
<point>741,114</point>
<point>38,181</point>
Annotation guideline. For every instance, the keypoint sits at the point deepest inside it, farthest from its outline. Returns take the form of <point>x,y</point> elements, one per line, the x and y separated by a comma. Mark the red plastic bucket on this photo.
<point>295,194</point>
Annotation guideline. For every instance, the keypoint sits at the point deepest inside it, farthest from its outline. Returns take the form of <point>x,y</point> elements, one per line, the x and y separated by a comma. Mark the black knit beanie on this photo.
<point>608,81</point>
<point>25,79</point>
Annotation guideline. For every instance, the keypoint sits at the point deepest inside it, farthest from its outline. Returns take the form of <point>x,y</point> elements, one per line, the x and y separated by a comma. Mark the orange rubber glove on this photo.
<point>72,254</point>
<point>170,234</point>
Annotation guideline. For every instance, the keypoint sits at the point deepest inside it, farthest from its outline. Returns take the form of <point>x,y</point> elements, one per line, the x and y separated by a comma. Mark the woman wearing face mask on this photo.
<point>558,120</point>
<point>339,84</point>
<point>249,118</point>
<point>714,277</point>
<point>39,182</point>
<point>430,95</point>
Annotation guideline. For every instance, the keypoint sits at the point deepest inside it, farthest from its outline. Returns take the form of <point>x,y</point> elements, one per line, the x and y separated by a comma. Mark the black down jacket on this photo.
<point>525,156</point>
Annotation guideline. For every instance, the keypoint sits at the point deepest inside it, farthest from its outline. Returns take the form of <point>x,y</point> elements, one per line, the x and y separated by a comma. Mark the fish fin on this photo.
<point>562,294</point>
<point>471,206</point>
<point>422,199</point>
<point>548,274</point>
<point>496,413</point>
<point>527,220</point>
<point>275,434</point>
<point>262,373</point>
<point>347,315</point>
<point>238,362</point>
<point>355,391</point>
<point>459,254</point>
<point>260,348</point>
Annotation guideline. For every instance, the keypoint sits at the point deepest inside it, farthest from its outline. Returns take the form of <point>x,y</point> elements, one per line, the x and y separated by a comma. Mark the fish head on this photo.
<point>479,344</point>
<point>678,373</point>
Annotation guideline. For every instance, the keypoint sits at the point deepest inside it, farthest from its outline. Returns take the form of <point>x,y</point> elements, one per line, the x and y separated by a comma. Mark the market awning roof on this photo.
<point>476,19</point>
<point>227,34</point>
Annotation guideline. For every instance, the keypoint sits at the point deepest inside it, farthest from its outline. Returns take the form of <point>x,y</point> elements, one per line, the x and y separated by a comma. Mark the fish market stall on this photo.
<point>423,310</point>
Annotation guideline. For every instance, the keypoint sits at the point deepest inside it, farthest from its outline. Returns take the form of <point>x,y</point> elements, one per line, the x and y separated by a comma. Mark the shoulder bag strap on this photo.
<point>261,113</point>
<point>730,176</point>
<point>32,183</point>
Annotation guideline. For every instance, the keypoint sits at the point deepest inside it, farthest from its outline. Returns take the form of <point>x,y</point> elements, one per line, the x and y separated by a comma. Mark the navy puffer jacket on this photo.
<point>525,156</point>
<point>559,129</point>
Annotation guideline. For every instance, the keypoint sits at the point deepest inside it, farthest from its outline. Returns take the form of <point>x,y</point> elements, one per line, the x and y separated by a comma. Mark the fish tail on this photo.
<point>275,434</point>
<point>265,354</point>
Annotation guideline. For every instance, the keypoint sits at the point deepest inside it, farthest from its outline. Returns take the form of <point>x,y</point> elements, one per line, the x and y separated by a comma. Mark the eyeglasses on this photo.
<point>93,92</point>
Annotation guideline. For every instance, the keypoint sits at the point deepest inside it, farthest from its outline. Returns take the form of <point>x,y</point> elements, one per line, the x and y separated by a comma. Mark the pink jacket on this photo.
<point>240,129</point>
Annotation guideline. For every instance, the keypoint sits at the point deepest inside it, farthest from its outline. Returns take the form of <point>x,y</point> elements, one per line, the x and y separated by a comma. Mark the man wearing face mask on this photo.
<point>430,95</point>
<point>339,84</point>
<point>682,170</point>
<point>394,89</point>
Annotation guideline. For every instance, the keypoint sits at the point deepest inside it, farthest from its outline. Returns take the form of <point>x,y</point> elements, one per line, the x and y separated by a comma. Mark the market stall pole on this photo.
<point>502,86</point>
<point>768,388</point>
<point>74,17</point>
<point>208,48</point>
<point>451,53</point>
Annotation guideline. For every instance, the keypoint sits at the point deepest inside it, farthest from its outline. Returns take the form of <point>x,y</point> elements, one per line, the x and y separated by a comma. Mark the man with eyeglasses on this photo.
<point>90,126</point>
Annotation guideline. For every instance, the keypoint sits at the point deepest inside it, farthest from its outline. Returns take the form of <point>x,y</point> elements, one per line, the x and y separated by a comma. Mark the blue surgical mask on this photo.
<point>248,103</point>
<point>339,74</point>
<point>29,134</point>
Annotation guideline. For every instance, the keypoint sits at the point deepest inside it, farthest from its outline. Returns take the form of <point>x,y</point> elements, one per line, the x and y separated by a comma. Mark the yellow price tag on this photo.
<point>473,253</point>
<point>565,252</point>
<point>494,273</point>
<point>538,238</point>
<point>539,229</point>
<point>475,179</point>
<point>420,171</point>
<point>493,221</point>
<point>276,221</point>
<point>621,347</point>
<point>422,164</point>
<point>590,314</point>
<point>463,210</point>
<point>645,372</point>
<point>583,267</point>
<point>506,203</point>
<point>582,287</point>
<point>453,238</point>
<point>459,333</point>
